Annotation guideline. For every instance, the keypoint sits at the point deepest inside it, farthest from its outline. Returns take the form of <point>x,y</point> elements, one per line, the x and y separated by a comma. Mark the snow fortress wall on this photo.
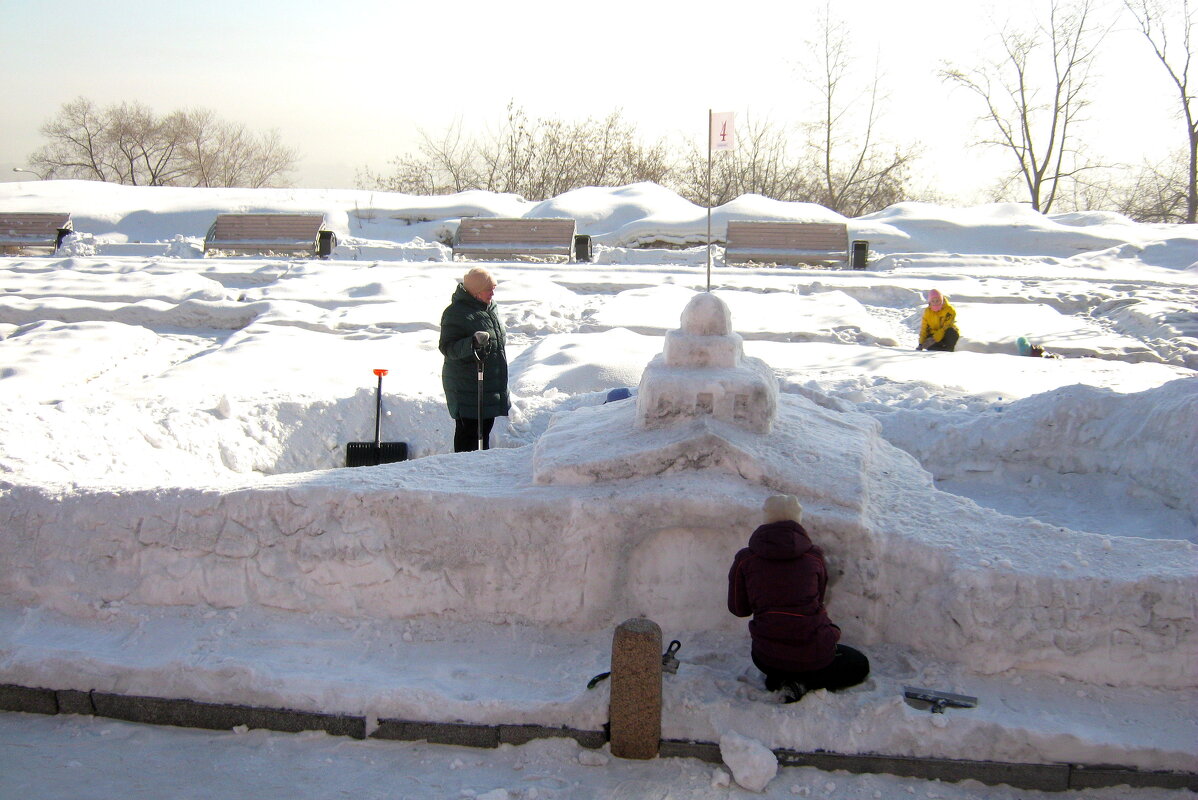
<point>567,534</point>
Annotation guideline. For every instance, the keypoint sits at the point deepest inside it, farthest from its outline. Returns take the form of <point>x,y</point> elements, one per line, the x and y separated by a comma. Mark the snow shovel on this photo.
<point>371,454</point>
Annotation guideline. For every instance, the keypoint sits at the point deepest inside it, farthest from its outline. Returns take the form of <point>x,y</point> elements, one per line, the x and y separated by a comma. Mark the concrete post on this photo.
<point>635,708</point>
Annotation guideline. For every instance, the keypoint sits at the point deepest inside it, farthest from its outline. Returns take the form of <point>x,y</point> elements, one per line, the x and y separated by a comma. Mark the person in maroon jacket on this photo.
<point>780,579</point>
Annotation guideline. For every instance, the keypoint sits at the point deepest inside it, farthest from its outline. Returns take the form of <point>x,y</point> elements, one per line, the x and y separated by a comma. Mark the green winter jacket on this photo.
<point>465,315</point>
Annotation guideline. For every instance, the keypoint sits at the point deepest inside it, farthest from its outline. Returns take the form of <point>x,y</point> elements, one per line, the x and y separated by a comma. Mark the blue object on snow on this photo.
<point>1025,347</point>
<point>617,394</point>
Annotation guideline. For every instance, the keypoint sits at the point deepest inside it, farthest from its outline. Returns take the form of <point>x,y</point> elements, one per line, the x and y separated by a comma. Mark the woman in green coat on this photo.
<point>470,312</point>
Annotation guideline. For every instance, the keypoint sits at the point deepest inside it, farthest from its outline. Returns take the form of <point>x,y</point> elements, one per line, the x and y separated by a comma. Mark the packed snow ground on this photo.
<point>141,382</point>
<point>73,758</point>
<point>91,757</point>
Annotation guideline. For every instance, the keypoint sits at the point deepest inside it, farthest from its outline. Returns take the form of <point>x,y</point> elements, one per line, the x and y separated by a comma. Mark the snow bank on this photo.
<point>1149,439</point>
<point>464,536</point>
<point>157,213</point>
<point>828,316</point>
<point>574,364</point>
<point>753,764</point>
<point>370,223</point>
<point>986,328</point>
<point>1007,228</point>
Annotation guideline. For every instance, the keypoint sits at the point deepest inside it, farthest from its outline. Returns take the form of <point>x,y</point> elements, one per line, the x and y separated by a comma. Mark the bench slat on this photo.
<point>785,242</point>
<point>250,232</point>
<point>501,236</point>
<point>32,229</point>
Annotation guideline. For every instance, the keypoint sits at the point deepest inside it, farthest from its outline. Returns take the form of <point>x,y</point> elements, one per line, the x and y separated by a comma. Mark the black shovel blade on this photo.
<point>369,454</point>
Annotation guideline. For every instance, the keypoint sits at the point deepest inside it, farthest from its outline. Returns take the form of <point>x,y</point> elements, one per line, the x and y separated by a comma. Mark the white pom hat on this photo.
<point>780,507</point>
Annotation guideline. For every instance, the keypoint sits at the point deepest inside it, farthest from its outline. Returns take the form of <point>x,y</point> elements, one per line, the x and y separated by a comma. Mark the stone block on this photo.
<point>75,702</point>
<point>1042,777</point>
<point>214,716</point>
<point>635,705</point>
<point>1103,777</point>
<point>704,751</point>
<point>29,701</point>
<point>459,733</point>
<point>523,734</point>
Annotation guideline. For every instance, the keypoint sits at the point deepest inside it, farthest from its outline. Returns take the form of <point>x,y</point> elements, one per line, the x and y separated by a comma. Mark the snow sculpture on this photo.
<point>702,405</point>
<point>703,372</point>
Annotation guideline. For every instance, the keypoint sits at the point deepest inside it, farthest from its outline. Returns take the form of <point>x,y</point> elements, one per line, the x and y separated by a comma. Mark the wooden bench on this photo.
<point>23,230</point>
<point>271,233</point>
<point>787,243</point>
<point>499,236</point>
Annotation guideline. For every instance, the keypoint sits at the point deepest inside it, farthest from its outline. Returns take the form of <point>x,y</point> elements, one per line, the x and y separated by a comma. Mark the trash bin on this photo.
<point>325,242</point>
<point>582,248</point>
<point>860,253</point>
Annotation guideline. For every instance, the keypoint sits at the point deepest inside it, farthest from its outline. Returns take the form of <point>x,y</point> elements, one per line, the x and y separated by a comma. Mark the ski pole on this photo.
<point>479,357</point>
<point>480,340</point>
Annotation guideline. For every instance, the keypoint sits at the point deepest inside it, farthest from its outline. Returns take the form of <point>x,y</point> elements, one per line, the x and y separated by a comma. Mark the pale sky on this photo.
<point>350,83</point>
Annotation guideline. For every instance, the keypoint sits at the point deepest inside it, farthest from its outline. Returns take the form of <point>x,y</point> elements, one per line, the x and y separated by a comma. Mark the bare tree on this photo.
<point>79,146</point>
<point>1034,105</point>
<point>534,158</point>
<point>229,154</point>
<point>128,143</point>
<point>1156,25</point>
<point>146,148</point>
<point>852,172</point>
<point>1155,193</point>
<point>761,164</point>
<point>844,166</point>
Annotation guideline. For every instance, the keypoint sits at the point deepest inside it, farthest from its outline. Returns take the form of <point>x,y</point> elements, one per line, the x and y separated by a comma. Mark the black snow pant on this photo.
<point>849,667</point>
<point>465,435</point>
<point>948,342</point>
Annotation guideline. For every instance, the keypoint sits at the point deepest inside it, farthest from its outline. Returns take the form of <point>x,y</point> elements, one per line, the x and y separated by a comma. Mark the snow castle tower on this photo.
<point>703,372</point>
<point>701,405</point>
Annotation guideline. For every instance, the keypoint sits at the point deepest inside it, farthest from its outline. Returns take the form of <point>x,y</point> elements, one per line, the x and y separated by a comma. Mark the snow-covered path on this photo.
<point>85,758</point>
<point>434,671</point>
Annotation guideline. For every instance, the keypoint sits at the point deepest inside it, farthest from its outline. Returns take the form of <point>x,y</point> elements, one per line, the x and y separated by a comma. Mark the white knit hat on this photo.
<point>780,507</point>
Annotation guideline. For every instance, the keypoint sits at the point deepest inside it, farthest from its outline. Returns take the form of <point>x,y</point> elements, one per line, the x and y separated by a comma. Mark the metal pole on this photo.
<point>709,113</point>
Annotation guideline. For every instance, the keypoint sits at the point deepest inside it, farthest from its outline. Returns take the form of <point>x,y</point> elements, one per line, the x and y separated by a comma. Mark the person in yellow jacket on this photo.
<point>938,330</point>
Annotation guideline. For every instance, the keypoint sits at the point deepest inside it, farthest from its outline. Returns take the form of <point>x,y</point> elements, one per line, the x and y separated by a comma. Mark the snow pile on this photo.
<point>829,316</point>
<point>1148,439</point>
<point>753,764</point>
<point>642,213</point>
<point>371,224</point>
<point>1011,229</point>
<point>990,332</point>
<point>575,364</point>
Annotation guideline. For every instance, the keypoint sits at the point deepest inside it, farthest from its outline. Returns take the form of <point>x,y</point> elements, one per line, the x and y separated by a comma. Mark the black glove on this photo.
<point>480,340</point>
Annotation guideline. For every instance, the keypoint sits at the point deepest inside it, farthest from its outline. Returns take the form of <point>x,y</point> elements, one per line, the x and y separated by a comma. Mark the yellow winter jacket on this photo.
<point>935,323</point>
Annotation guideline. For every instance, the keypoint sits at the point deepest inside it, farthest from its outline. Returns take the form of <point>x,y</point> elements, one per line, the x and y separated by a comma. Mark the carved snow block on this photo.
<point>703,372</point>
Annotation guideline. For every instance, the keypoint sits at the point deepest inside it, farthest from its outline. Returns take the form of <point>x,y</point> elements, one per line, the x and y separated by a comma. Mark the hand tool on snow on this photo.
<point>939,700</point>
<point>668,664</point>
<point>371,454</point>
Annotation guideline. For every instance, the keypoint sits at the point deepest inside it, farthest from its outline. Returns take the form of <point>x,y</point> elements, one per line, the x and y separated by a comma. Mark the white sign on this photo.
<point>723,135</point>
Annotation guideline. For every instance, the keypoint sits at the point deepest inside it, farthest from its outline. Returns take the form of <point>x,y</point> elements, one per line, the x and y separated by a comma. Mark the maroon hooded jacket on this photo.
<point>780,579</point>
